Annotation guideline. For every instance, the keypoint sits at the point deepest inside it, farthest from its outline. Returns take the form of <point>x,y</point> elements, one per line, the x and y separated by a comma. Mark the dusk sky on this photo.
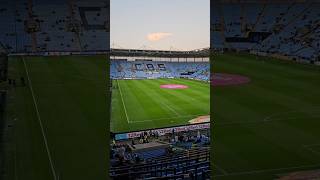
<point>160,24</point>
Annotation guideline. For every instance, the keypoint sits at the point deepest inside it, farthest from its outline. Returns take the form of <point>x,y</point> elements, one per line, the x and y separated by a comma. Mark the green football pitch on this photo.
<point>59,120</point>
<point>262,129</point>
<point>143,104</point>
<point>270,126</point>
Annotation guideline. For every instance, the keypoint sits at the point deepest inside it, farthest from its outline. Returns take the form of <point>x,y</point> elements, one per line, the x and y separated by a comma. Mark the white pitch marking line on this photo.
<point>268,170</point>
<point>260,121</point>
<point>124,106</point>
<point>221,169</point>
<point>40,122</point>
<point>170,108</point>
<point>309,147</point>
<point>313,151</point>
<point>270,118</point>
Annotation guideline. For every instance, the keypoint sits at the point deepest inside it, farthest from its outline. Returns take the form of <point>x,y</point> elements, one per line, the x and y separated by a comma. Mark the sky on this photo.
<point>160,24</point>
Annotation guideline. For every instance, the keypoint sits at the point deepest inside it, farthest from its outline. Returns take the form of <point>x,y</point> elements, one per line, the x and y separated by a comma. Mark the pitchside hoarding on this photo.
<point>163,131</point>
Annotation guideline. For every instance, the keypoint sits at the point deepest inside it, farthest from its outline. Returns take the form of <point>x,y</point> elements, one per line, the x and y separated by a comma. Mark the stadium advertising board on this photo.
<point>163,131</point>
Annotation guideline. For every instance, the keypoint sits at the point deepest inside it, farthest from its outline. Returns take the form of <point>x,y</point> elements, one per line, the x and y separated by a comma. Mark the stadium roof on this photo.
<point>160,53</point>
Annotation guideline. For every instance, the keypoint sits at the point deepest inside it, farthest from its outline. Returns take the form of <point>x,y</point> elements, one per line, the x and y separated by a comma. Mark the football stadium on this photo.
<point>160,90</point>
<point>152,92</point>
<point>265,97</point>
<point>53,89</point>
<point>160,112</point>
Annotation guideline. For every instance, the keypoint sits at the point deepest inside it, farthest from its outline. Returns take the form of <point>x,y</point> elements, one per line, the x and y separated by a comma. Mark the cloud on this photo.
<point>158,36</point>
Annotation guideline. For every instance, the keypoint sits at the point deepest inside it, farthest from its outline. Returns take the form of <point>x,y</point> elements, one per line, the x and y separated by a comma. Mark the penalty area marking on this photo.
<point>124,106</point>
<point>40,122</point>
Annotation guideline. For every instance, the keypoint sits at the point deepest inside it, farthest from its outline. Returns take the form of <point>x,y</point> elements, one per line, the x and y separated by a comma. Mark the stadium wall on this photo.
<point>68,53</point>
<point>162,131</point>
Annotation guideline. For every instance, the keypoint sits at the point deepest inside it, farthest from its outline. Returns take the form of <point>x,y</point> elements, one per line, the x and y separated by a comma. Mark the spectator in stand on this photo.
<point>113,143</point>
<point>191,175</point>
<point>122,151</point>
<point>170,150</point>
<point>137,159</point>
<point>145,140</point>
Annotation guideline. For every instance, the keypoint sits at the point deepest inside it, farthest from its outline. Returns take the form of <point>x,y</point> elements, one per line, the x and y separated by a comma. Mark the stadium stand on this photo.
<point>3,66</point>
<point>152,64</point>
<point>121,69</point>
<point>186,156</point>
<point>286,28</point>
<point>47,26</point>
